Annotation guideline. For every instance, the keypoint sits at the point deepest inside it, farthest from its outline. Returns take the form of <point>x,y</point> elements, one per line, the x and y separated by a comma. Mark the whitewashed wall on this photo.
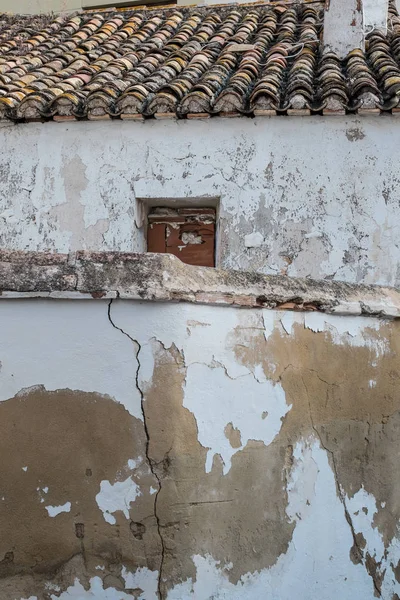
<point>31,7</point>
<point>227,362</point>
<point>312,196</point>
<point>65,6</point>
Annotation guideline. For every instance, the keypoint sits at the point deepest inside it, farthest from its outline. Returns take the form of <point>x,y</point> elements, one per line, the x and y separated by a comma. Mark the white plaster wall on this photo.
<point>343,26</point>
<point>375,13</point>
<point>93,355</point>
<point>57,6</point>
<point>30,7</point>
<point>322,194</point>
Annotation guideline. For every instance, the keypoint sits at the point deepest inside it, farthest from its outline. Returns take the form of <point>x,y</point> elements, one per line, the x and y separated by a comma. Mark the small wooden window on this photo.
<point>188,233</point>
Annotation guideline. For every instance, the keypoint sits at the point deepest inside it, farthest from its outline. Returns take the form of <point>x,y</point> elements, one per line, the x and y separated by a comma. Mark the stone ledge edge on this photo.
<point>164,278</point>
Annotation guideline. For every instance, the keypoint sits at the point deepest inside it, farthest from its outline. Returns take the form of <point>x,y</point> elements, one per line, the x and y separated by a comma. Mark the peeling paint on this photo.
<point>96,591</point>
<point>253,240</point>
<point>263,463</point>
<point>56,510</point>
<point>142,579</point>
<point>85,186</point>
<point>363,509</point>
<point>116,497</point>
<point>207,384</point>
<point>312,496</point>
<point>134,463</point>
<point>118,381</point>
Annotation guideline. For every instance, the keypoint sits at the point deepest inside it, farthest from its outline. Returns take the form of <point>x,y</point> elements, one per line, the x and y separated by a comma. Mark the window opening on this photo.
<point>188,233</point>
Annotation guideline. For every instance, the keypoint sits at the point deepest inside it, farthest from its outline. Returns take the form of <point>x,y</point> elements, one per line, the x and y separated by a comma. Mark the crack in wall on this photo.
<point>358,555</point>
<point>152,464</point>
<point>216,364</point>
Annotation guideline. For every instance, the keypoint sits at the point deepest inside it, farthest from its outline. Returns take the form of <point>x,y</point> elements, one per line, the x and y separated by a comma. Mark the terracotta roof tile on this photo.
<point>254,59</point>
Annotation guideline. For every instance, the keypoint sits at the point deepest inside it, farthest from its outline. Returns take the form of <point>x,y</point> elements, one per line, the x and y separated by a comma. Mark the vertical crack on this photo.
<point>151,462</point>
<point>357,551</point>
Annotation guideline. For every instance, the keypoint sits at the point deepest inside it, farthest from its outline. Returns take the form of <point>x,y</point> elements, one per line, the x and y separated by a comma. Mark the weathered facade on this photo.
<point>311,193</point>
<point>175,432</point>
<point>321,193</point>
<point>188,450</point>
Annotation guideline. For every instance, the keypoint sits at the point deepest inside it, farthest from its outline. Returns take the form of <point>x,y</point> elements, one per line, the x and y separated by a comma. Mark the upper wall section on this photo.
<point>32,7</point>
<point>322,194</point>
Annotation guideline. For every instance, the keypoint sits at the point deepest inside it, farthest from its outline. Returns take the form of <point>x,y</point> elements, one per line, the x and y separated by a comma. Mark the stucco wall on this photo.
<point>322,194</point>
<point>197,451</point>
<point>62,6</point>
<point>31,7</point>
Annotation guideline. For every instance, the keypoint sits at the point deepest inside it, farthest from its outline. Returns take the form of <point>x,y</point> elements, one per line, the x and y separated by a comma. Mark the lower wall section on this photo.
<point>174,451</point>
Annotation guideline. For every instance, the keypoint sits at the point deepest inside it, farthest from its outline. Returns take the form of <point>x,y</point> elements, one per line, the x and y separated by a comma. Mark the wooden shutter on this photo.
<point>187,233</point>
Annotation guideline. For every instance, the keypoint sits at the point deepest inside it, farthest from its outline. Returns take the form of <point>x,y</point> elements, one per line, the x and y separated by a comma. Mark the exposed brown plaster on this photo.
<point>233,435</point>
<point>230,517</point>
<point>328,387</point>
<point>396,571</point>
<point>163,277</point>
<point>70,441</point>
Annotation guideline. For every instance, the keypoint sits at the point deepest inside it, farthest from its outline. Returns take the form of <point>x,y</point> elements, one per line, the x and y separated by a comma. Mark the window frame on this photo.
<point>166,227</point>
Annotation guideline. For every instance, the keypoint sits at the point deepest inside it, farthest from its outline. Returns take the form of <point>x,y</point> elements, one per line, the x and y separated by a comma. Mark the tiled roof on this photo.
<point>254,59</point>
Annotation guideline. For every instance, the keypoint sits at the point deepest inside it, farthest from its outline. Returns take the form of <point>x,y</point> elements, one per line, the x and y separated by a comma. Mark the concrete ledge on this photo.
<point>163,277</point>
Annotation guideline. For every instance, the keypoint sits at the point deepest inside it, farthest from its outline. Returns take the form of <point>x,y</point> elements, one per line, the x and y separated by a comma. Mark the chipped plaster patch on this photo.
<point>203,346</point>
<point>259,373</point>
<point>134,463</point>
<point>317,321</point>
<point>52,587</point>
<point>269,324</point>
<point>356,331</point>
<point>56,510</point>
<point>363,508</point>
<point>253,240</point>
<point>289,319</point>
<point>215,399</point>
<point>199,344</point>
<point>116,497</point>
<point>390,585</point>
<point>95,592</point>
<point>77,346</point>
<point>313,234</point>
<point>42,491</point>
<point>319,516</point>
<point>143,579</point>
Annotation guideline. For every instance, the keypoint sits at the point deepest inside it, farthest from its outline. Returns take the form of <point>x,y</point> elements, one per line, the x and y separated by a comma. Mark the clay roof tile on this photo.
<point>250,59</point>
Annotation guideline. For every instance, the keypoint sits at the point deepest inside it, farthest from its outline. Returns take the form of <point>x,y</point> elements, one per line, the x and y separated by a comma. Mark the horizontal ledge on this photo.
<point>164,278</point>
